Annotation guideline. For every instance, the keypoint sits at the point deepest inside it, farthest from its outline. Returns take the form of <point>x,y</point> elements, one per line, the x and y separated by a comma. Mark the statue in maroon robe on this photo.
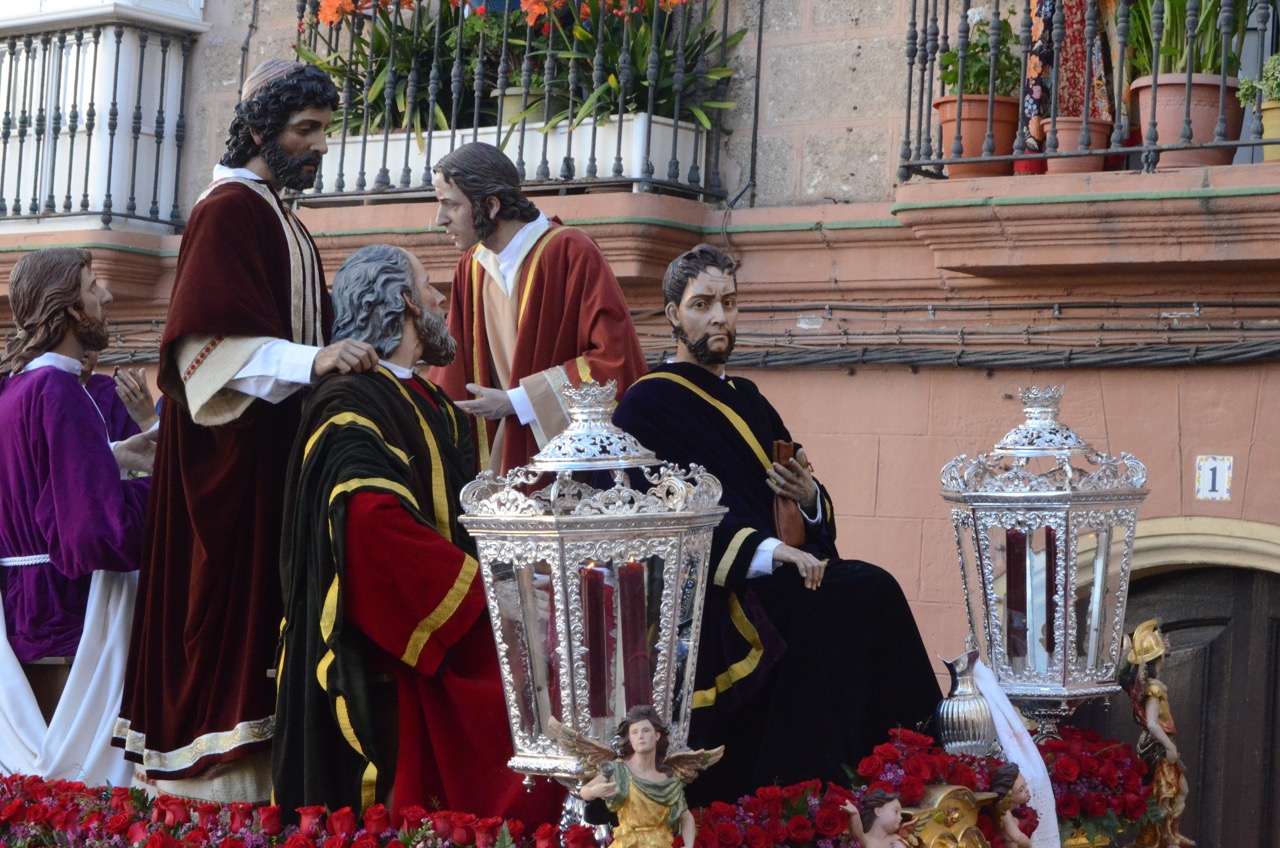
<point>248,315</point>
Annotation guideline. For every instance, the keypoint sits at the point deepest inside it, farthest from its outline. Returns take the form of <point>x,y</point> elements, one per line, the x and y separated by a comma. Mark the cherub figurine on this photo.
<point>1011,786</point>
<point>879,823</point>
<point>641,782</point>
<point>1155,744</point>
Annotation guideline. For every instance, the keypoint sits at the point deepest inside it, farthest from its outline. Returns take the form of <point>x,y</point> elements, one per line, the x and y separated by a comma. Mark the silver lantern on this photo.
<point>595,595</point>
<point>1044,527</point>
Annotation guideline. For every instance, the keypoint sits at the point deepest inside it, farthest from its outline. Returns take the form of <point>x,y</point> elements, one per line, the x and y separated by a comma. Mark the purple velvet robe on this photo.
<point>61,495</point>
<point>103,391</point>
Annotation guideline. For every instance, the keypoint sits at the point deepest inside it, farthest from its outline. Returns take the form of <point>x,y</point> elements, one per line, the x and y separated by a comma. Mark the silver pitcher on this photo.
<point>964,721</point>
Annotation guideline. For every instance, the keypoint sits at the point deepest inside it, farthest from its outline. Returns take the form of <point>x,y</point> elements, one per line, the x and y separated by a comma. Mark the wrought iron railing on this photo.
<point>1079,86</point>
<point>94,123</point>
<point>629,93</point>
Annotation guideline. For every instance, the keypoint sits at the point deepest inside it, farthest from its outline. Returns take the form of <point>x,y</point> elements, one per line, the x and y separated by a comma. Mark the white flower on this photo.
<point>977,14</point>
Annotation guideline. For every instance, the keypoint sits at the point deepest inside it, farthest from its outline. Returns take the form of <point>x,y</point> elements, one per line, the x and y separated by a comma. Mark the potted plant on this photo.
<point>1264,97</point>
<point>989,77</point>
<point>1209,53</point>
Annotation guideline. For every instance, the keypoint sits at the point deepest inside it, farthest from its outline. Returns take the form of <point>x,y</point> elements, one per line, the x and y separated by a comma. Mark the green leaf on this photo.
<point>701,116</point>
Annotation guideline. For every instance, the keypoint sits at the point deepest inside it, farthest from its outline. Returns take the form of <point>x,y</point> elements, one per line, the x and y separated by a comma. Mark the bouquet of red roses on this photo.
<point>1097,784</point>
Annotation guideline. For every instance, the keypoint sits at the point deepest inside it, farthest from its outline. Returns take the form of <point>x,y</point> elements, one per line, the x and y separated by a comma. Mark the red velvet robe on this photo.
<point>208,609</point>
<point>572,314</point>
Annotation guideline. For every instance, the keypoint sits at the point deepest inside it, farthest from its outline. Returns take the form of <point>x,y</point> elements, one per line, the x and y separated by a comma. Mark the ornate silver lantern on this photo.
<point>595,595</point>
<point>1045,543</point>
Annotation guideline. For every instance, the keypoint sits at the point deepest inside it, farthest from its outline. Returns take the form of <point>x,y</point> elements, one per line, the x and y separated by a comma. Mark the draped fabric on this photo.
<point>795,683</point>
<point>208,616</point>
<point>648,811</point>
<point>378,575</point>
<point>120,425</point>
<point>572,325</point>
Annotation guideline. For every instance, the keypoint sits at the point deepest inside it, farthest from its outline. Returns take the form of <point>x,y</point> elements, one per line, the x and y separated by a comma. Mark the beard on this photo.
<point>701,350</point>
<point>287,169</point>
<point>91,333</point>
<point>438,347</point>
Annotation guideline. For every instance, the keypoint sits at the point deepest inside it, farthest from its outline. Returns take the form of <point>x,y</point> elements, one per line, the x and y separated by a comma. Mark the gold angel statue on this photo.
<point>640,782</point>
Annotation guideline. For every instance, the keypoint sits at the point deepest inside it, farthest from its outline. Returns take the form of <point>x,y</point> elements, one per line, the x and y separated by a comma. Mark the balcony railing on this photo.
<point>622,93</point>
<point>94,123</point>
<point>1082,85</point>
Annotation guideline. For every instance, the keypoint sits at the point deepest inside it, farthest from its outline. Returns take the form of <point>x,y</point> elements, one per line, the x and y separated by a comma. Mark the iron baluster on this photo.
<point>180,130</point>
<point>925,133</point>
<point>673,167</point>
<point>366,106</point>
<point>548,74</point>
<point>164,78</point>
<point>456,84</point>
<point>1120,133</point>
<point>1085,141</point>
<point>55,126</point>
<point>1226,24</point>
<point>597,80</point>
<point>73,118</point>
<point>1059,36</point>
<point>45,59</point>
<point>962,51</point>
<point>383,181</point>
<point>433,92</point>
<point>1151,156</point>
<point>624,83</point>
<point>90,117</point>
<point>722,89</point>
<point>504,72</point>
<point>411,95</point>
<point>23,121</point>
<point>477,87</point>
<point>699,90</point>
<point>651,76</point>
<point>1024,42</point>
<point>6,126</point>
<point>340,184</point>
<point>132,206</point>
<point>526,80</point>
<point>920,56</point>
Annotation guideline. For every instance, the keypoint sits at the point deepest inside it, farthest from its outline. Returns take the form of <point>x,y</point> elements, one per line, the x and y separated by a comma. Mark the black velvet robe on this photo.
<point>794,683</point>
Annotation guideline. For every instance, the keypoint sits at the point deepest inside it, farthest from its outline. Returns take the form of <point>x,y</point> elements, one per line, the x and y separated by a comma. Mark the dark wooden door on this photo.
<point>1223,675</point>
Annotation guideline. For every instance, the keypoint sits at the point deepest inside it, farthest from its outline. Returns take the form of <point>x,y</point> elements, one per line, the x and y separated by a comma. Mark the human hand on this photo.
<point>594,790</point>
<point>810,567</point>
<point>132,388</point>
<point>136,453</point>
<point>795,480</point>
<point>345,357</point>
<point>493,404</point>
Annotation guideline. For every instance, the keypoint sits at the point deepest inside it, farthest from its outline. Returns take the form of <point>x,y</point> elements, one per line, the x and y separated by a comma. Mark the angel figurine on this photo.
<point>1011,787</point>
<point>640,782</point>
<point>879,821</point>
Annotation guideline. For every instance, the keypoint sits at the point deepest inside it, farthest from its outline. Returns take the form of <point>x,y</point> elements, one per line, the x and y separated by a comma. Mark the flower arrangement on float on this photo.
<point>1098,786</point>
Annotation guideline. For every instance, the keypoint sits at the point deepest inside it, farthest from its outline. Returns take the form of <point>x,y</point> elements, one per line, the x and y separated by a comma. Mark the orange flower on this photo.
<point>333,11</point>
<point>535,9</point>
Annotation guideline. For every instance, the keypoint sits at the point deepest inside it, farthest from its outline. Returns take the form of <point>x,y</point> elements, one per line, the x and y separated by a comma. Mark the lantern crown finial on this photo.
<point>592,441</point>
<point>1042,433</point>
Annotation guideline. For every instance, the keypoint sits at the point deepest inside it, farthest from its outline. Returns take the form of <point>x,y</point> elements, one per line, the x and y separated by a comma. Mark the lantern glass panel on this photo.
<point>1027,559</point>
<point>1100,589</point>
<point>523,594</point>
<point>971,575</point>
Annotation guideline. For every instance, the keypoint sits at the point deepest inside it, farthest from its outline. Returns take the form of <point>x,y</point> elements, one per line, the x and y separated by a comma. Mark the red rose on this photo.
<point>376,819</point>
<point>870,767</point>
<point>962,775</point>
<point>207,814</point>
<point>753,807</point>
<point>1066,768</point>
<point>119,797</point>
<point>515,829</point>
<point>312,820</point>
<point>918,765</point>
<point>160,840</point>
<point>705,838</point>
<point>342,822</point>
<point>910,738</point>
<point>1068,806</point>
<point>462,828</point>
<point>546,836</point>
<point>1134,805</point>
<point>772,798</point>
<point>196,837</point>
<point>1094,805</point>
<point>800,830</point>
<point>777,831</point>
<point>118,824</point>
<point>441,823</point>
<point>728,835</point>
<point>882,784</point>
<point>38,813</point>
<point>366,841</point>
<point>336,841</point>
<point>887,752</point>
<point>1088,766</point>
<point>1109,775</point>
<point>172,811</point>
<point>136,833</point>
<point>487,831</point>
<point>393,843</point>
<point>232,842</point>
<point>580,836</point>
<point>14,812</point>
<point>719,811</point>
<point>830,821</point>
<point>241,815</point>
<point>299,841</point>
<point>269,820</point>
<point>757,837</point>
<point>413,816</point>
<point>912,790</point>
<point>987,826</point>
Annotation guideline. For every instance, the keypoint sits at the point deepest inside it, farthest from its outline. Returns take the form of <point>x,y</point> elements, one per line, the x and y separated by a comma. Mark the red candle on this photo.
<point>637,677</point>
<point>593,614</point>
<point>1015,560</point>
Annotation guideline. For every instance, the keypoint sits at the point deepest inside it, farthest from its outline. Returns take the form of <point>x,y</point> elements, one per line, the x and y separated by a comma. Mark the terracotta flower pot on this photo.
<point>1171,107</point>
<point>973,133</point>
<point>1069,140</point>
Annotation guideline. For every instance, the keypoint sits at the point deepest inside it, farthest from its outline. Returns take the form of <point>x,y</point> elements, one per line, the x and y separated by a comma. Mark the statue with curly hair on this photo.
<point>247,328</point>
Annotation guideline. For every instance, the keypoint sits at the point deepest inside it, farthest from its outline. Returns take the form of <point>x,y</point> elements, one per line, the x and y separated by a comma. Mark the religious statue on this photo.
<point>1011,787</point>
<point>879,822</point>
<point>1155,744</point>
<point>640,782</point>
